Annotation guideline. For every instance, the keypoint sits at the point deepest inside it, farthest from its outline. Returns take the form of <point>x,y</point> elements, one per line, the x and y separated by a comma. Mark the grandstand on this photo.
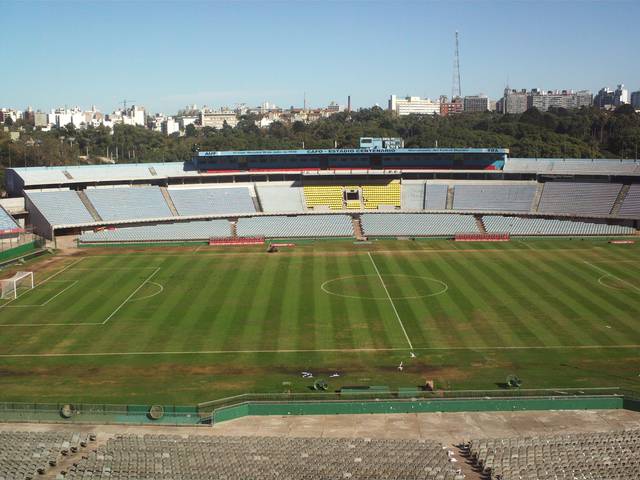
<point>159,456</point>
<point>417,224</point>
<point>7,223</point>
<point>212,201</point>
<point>368,196</point>
<point>554,227</point>
<point>25,455</point>
<point>435,197</point>
<point>129,203</point>
<point>296,226</point>
<point>278,197</point>
<point>187,231</point>
<point>69,200</point>
<point>611,455</point>
<point>579,198</point>
<point>487,197</point>
<point>62,207</point>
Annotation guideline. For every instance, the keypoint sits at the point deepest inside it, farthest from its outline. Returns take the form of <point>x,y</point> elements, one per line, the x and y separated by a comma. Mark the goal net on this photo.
<point>19,282</point>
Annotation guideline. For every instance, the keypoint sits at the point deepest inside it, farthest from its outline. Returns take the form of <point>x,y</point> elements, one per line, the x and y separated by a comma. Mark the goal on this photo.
<point>20,281</point>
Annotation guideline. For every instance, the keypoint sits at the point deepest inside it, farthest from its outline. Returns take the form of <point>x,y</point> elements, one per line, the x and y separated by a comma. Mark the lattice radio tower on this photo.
<point>456,90</point>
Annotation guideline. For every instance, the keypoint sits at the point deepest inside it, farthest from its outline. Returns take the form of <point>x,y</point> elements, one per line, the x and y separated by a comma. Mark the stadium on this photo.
<point>266,302</point>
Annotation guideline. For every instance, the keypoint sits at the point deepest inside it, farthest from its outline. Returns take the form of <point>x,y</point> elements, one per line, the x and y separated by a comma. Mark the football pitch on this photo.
<point>185,325</point>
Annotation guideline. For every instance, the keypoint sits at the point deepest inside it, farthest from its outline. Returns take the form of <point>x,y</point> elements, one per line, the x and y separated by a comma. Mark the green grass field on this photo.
<point>184,326</point>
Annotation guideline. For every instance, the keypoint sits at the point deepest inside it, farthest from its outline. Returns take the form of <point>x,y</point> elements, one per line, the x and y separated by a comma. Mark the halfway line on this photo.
<point>391,300</point>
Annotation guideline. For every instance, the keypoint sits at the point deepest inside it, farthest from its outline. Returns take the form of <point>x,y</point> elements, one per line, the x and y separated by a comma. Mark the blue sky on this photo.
<point>165,55</point>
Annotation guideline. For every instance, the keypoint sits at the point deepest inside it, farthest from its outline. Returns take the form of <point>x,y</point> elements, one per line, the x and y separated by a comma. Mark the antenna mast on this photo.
<point>456,90</point>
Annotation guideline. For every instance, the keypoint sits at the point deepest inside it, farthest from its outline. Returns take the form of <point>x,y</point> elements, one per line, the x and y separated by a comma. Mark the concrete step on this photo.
<point>169,200</point>
<point>357,228</point>
<point>88,205</point>
<point>450,193</point>
<point>620,199</point>
<point>536,198</point>
<point>480,223</point>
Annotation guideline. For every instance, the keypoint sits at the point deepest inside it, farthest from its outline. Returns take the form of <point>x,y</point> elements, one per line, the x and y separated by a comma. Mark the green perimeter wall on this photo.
<point>17,251</point>
<point>420,406</point>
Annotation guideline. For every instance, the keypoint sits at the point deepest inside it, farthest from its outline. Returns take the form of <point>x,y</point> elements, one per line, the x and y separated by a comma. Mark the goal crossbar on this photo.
<point>11,285</point>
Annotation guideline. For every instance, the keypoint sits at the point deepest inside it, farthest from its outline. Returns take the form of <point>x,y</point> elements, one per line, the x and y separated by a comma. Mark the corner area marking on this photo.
<point>391,301</point>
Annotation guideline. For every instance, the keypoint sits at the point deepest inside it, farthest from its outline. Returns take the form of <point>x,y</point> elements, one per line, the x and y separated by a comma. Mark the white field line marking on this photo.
<point>615,261</point>
<point>612,275</point>
<point>327,350</point>
<point>132,294</point>
<point>324,288</point>
<point>146,297</point>
<point>114,268</point>
<point>391,301</point>
<point>45,280</point>
<point>353,253</point>
<point>526,244</point>
<point>608,286</point>
<point>73,282</point>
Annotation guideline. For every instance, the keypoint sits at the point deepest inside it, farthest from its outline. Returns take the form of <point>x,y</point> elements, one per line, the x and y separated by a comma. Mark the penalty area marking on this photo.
<point>147,280</point>
<point>606,273</point>
<point>326,350</point>
<point>44,281</point>
<point>73,282</point>
<point>391,301</point>
<point>157,292</point>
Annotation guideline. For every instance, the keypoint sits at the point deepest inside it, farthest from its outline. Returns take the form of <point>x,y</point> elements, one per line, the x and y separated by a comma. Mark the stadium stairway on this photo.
<point>357,228</point>
<point>88,205</point>
<point>450,193</point>
<point>255,198</point>
<point>536,198</point>
<point>480,223</point>
<point>615,210</point>
<point>465,463</point>
<point>169,200</point>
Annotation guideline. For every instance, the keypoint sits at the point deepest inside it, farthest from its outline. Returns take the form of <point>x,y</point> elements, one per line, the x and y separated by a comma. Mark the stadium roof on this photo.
<point>350,151</point>
<point>69,174</point>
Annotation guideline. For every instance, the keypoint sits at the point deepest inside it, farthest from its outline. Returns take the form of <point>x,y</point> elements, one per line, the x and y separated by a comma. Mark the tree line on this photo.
<point>559,133</point>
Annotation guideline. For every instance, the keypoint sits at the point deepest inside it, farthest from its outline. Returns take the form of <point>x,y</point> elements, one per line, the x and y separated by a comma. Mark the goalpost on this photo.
<point>21,280</point>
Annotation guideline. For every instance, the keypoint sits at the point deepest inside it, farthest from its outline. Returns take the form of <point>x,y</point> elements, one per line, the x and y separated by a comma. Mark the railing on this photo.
<point>410,394</point>
<point>98,413</point>
<point>408,399</point>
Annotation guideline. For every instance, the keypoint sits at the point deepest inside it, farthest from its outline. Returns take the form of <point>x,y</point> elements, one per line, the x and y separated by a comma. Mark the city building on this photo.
<point>40,120</point>
<point>568,99</point>
<point>333,107</point>
<point>635,100</point>
<point>413,105</point>
<point>609,99</point>
<point>476,103</point>
<point>456,105</point>
<point>513,101</point>
<point>170,126</point>
<point>217,119</point>
<point>519,101</point>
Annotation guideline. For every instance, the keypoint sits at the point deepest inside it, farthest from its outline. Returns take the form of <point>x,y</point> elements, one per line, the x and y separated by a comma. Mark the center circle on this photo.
<point>358,286</point>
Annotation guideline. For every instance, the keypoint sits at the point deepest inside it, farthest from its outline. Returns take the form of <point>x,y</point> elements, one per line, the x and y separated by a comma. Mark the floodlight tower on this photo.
<point>456,89</point>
